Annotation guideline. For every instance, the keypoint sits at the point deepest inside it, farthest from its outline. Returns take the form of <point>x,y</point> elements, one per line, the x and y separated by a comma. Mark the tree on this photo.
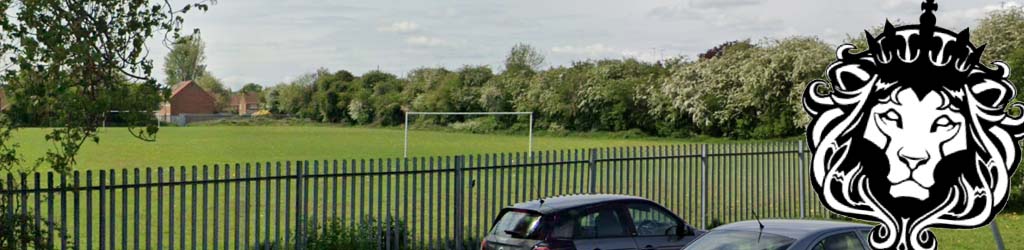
<point>738,93</point>
<point>1016,63</point>
<point>523,58</point>
<point>466,87</point>
<point>1002,31</point>
<point>720,49</point>
<point>357,110</point>
<point>273,96</point>
<point>425,88</point>
<point>186,61</point>
<point>500,94</point>
<point>295,97</point>
<point>81,52</point>
<point>251,88</point>
<point>326,99</point>
<point>369,79</point>
<point>387,102</point>
<point>88,57</point>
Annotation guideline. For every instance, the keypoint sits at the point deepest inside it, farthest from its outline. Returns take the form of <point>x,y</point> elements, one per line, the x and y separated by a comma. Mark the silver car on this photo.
<point>785,235</point>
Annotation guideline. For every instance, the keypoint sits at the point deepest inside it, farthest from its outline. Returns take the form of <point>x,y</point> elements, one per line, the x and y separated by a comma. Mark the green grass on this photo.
<point>176,146</point>
<point>1011,227</point>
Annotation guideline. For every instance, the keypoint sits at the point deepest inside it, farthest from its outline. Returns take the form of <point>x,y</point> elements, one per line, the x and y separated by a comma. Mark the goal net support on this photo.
<point>407,114</point>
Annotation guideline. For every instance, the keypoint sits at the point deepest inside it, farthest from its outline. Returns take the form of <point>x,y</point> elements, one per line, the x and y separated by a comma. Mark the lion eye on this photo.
<point>892,116</point>
<point>943,122</point>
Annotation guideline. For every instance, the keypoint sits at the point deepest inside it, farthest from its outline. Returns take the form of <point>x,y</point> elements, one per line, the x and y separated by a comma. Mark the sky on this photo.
<point>273,41</point>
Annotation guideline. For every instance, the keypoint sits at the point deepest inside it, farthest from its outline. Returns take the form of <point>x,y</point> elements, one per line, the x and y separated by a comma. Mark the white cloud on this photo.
<point>599,50</point>
<point>899,4</point>
<point>674,11</point>
<point>735,14</point>
<point>591,50</point>
<point>266,41</point>
<point>425,41</point>
<point>721,4</point>
<point>400,27</point>
<point>963,17</point>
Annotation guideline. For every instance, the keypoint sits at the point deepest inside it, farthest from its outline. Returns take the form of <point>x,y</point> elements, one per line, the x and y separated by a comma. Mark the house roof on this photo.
<point>181,85</point>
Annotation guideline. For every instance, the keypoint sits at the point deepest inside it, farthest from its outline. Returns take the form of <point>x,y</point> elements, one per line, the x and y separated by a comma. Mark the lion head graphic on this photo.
<point>913,133</point>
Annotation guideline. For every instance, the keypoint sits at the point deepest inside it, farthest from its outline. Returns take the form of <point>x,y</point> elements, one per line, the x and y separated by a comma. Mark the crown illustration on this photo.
<point>942,56</point>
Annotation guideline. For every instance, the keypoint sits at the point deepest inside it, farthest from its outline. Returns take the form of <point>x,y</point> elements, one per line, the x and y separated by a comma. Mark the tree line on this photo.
<point>739,89</point>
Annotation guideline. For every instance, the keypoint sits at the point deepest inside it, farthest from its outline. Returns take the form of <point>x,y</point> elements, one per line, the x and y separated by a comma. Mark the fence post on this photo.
<point>460,163</point>
<point>405,145</point>
<point>999,237</point>
<point>300,208</point>
<point>704,183</point>
<point>593,171</point>
<point>803,187</point>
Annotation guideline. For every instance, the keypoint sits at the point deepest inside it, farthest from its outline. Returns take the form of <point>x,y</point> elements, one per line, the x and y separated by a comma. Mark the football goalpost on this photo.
<point>407,114</point>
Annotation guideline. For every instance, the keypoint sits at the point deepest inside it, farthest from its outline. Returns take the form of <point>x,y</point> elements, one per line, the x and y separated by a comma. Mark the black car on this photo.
<point>785,235</point>
<point>604,222</point>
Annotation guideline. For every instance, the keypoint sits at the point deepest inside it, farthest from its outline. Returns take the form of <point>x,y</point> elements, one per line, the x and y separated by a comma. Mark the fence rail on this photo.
<point>400,203</point>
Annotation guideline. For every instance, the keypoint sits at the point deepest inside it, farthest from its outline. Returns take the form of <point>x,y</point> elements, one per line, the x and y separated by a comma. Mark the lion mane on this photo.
<point>842,163</point>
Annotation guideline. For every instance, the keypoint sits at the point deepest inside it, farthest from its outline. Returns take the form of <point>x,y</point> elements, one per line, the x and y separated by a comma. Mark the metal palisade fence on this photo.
<point>400,203</point>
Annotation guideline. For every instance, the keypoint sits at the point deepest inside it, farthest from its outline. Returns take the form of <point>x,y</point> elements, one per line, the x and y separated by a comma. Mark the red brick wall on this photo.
<point>242,103</point>
<point>192,100</point>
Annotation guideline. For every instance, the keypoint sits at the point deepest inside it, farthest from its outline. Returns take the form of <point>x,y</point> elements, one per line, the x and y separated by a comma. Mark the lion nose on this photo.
<point>913,159</point>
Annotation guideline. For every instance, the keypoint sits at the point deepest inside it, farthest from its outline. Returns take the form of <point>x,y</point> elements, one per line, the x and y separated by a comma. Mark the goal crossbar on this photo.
<point>405,152</point>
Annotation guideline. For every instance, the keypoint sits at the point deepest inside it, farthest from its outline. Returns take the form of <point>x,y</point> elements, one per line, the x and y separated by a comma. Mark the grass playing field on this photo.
<point>1011,227</point>
<point>177,146</point>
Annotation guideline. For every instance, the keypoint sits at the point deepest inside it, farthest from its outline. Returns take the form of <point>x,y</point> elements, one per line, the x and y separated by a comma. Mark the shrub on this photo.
<point>557,129</point>
<point>478,125</point>
<point>26,231</point>
<point>257,121</point>
<point>369,233</point>
<point>468,243</point>
<point>1016,201</point>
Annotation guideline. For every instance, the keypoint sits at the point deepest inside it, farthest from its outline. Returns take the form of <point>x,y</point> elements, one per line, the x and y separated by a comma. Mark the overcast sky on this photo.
<point>271,41</point>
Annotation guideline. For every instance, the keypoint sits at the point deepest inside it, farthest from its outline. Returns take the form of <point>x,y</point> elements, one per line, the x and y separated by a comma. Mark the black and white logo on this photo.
<point>913,132</point>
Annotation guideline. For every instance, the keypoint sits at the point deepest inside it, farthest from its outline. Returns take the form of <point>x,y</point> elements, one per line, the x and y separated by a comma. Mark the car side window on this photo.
<point>842,241</point>
<point>600,223</point>
<point>651,220</point>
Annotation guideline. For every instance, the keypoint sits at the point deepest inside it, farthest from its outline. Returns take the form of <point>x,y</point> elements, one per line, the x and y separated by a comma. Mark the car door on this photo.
<point>599,228</point>
<point>656,228</point>
<point>846,240</point>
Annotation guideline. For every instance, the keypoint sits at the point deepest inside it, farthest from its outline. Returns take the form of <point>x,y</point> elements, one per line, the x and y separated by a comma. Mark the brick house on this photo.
<point>188,98</point>
<point>246,103</point>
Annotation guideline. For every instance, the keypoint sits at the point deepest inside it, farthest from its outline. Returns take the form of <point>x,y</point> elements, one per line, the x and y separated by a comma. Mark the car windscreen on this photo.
<point>516,224</point>
<point>741,240</point>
